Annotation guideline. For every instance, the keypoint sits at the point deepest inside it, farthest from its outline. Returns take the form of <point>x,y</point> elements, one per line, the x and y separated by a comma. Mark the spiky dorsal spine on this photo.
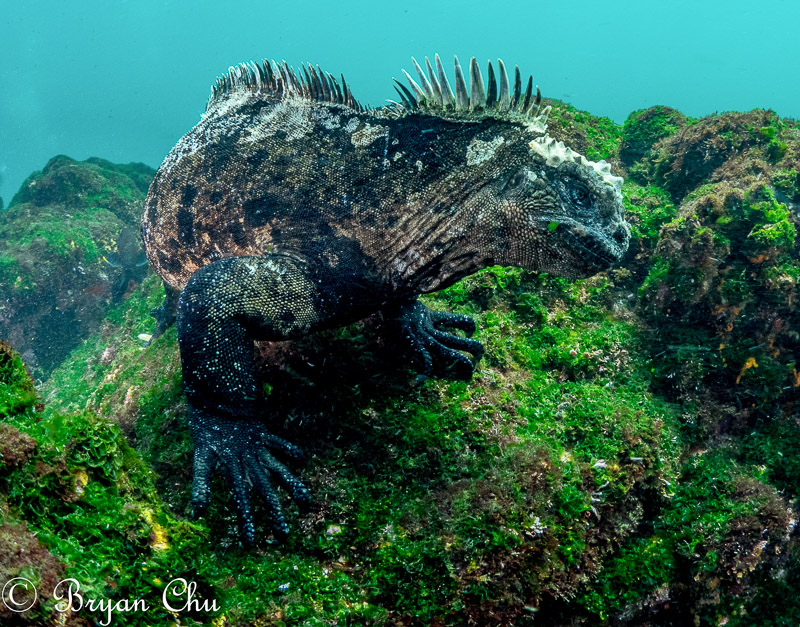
<point>281,80</point>
<point>433,95</point>
<point>433,92</point>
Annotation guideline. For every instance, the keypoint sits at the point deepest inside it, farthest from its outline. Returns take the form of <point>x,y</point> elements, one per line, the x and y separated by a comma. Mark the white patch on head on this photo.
<point>479,151</point>
<point>221,120</point>
<point>555,153</point>
<point>231,102</point>
<point>368,134</point>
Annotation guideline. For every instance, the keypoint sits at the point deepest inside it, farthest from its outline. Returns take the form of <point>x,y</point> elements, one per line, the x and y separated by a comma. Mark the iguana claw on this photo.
<point>435,351</point>
<point>241,448</point>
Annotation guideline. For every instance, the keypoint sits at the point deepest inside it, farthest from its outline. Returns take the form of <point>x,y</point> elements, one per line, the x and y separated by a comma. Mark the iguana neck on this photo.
<point>435,248</point>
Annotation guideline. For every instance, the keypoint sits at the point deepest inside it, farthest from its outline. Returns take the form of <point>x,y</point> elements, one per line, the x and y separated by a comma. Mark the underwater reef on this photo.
<point>58,251</point>
<point>627,453</point>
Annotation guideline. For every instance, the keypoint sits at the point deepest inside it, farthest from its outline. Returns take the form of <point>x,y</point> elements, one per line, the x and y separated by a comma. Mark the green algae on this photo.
<point>719,269</point>
<point>17,392</point>
<point>625,453</point>
<point>770,134</point>
<point>648,209</point>
<point>683,161</point>
<point>787,181</point>
<point>90,183</point>
<point>595,137</point>
<point>642,129</point>
<point>10,271</point>
<point>460,475</point>
<point>703,530</point>
<point>553,462</point>
<point>76,237</point>
<point>55,284</point>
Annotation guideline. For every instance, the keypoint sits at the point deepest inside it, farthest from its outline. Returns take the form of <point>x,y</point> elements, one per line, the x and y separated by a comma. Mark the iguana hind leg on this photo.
<point>224,307</point>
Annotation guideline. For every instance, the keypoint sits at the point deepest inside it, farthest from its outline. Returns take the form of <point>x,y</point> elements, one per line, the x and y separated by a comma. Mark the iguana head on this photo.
<point>561,213</point>
<point>564,212</point>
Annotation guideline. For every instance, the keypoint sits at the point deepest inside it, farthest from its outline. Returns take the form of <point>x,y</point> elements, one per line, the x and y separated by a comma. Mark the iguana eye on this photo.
<point>518,178</point>
<point>580,195</point>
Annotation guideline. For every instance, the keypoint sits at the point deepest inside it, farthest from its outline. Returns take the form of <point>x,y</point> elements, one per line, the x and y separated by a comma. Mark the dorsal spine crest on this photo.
<point>432,94</point>
<point>281,80</point>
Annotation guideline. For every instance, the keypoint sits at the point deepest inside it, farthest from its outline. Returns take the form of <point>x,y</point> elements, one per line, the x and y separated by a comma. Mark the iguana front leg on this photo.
<point>244,451</point>
<point>224,307</point>
<point>435,350</point>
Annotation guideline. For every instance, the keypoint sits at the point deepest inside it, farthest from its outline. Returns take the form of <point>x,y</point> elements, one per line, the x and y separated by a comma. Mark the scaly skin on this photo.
<point>290,208</point>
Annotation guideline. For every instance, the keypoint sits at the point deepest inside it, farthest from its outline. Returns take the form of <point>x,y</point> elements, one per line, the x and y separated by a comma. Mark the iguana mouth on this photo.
<point>595,252</point>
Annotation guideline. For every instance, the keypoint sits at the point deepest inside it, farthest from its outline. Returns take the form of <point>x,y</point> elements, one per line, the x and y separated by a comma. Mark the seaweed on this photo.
<point>625,453</point>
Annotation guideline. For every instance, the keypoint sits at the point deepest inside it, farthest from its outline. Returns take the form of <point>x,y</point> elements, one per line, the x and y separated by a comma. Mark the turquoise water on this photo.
<point>124,80</point>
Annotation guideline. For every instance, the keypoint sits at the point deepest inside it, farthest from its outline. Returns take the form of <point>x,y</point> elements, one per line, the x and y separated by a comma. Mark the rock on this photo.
<point>642,129</point>
<point>55,286</point>
<point>625,454</point>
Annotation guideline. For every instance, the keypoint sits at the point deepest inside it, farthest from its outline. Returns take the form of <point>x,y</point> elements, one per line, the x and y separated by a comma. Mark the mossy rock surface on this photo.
<point>429,502</point>
<point>696,153</point>
<point>94,182</point>
<point>56,239</point>
<point>609,463</point>
<point>554,484</point>
<point>721,294</point>
<point>595,137</point>
<point>642,129</point>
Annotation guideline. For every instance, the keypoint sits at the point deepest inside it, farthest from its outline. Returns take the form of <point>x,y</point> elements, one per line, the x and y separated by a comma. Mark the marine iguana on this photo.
<point>290,208</point>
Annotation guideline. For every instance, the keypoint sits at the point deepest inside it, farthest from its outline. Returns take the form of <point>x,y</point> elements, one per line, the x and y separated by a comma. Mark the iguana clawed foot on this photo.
<point>436,351</point>
<point>241,448</point>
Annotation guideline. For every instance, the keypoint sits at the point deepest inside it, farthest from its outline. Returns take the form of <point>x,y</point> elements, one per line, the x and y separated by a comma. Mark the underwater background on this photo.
<point>125,79</point>
<point>628,449</point>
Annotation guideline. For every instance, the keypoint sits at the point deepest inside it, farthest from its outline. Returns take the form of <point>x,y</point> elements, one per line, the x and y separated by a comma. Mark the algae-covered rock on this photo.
<point>550,486</point>
<point>460,501</point>
<point>17,389</point>
<point>594,137</point>
<point>642,129</point>
<point>76,502</point>
<point>693,155</point>
<point>15,447</point>
<point>24,560</point>
<point>720,300</point>
<point>56,240</point>
<point>64,182</point>
<point>722,297</point>
<point>626,454</point>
